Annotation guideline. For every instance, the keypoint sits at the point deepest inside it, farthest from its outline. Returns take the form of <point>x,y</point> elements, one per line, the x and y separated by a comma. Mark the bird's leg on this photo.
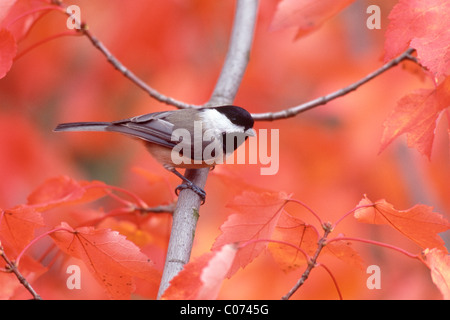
<point>187,184</point>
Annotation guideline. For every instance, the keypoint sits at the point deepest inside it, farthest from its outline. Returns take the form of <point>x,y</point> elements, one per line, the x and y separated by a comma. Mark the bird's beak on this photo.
<point>250,132</point>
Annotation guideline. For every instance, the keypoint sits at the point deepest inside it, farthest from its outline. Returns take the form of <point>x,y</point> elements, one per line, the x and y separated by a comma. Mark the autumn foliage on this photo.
<point>363,180</point>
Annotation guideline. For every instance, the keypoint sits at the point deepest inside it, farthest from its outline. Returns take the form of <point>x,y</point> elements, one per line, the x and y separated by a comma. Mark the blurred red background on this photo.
<point>328,156</point>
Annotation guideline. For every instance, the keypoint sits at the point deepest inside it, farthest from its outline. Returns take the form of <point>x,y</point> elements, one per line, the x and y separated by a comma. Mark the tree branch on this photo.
<point>12,267</point>
<point>84,30</point>
<point>131,76</point>
<point>238,53</point>
<point>312,263</point>
<point>186,213</point>
<point>291,112</point>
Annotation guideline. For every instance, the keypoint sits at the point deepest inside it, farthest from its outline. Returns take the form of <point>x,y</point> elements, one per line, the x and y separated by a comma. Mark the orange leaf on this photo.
<point>416,115</point>
<point>419,223</point>
<point>17,226</point>
<point>202,278</point>
<point>343,250</point>
<point>419,24</point>
<point>258,215</point>
<point>111,258</point>
<point>439,263</point>
<point>64,190</point>
<point>307,15</point>
<point>294,231</point>
<point>8,50</point>
<point>15,9</point>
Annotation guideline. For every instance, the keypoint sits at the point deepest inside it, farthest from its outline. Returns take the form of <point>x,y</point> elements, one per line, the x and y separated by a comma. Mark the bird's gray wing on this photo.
<point>150,127</point>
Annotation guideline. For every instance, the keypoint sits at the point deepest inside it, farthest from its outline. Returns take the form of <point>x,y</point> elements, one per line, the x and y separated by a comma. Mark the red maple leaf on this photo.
<point>64,190</point>
<point>294,231</point>
<point>343,250</point>
<point>292,234</point>
<point>257,216</point>
<point>111,258</point>
<point>420,24</point>
<point>203,277</point>
<point>306,15</point>
<point>419,223</point>
<point>416,115</point>
<point>18,16</point>
<point>18,225</point>
<point>439,263</point>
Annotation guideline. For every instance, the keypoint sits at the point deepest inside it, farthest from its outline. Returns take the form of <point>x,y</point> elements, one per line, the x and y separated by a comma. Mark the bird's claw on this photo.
<point>199,191</point>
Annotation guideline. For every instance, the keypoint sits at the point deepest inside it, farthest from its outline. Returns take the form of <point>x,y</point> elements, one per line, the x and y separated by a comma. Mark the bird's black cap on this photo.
<point>237,115</point>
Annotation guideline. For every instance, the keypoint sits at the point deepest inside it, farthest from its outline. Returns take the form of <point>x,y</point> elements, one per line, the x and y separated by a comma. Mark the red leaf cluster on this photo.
<point>113,260</point>
<point>261,222</point>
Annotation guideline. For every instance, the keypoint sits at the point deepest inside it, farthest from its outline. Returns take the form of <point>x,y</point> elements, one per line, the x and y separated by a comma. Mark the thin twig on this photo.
<point>39,43</point>
<point>84,30</point>
<point>12,267</point>
<point>291,112</point>
<point>352,211</point>
<point>168,208</point>
<point>312,263</point>
<point>131,76</point>
<point>307,208</point>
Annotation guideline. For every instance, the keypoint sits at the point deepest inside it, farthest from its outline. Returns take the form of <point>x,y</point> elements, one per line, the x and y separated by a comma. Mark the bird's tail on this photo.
<point>82,126</point>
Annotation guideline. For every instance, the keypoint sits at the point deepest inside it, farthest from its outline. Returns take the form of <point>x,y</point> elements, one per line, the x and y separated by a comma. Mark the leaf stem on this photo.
<point>333,278</point>
<point>377,243</point>
<point>46,8</point>
<point>307,208</point>
<point>139,201</point>
<point>351,211</point>
<point>43,41</point>
<point>37,239</point>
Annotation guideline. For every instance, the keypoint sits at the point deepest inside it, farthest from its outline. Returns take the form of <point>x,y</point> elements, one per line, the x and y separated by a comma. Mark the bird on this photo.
<point>185,138</point>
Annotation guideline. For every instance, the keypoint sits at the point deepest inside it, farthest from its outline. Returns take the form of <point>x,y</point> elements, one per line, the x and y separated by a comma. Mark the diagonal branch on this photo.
<point>130,75</point>
<point>291,112</point>
<point>84,30</point>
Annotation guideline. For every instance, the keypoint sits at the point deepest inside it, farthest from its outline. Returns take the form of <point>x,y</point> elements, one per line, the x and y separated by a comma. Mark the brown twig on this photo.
<point>12,267</point>
<point>84,30</point>
<point>311,263</point>
<point>168,208</point>
<point>130,75</point>
<point>291,112</point>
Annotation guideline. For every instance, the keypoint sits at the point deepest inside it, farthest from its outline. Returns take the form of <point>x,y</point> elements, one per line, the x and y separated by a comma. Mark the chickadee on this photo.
<point>186,138</point>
